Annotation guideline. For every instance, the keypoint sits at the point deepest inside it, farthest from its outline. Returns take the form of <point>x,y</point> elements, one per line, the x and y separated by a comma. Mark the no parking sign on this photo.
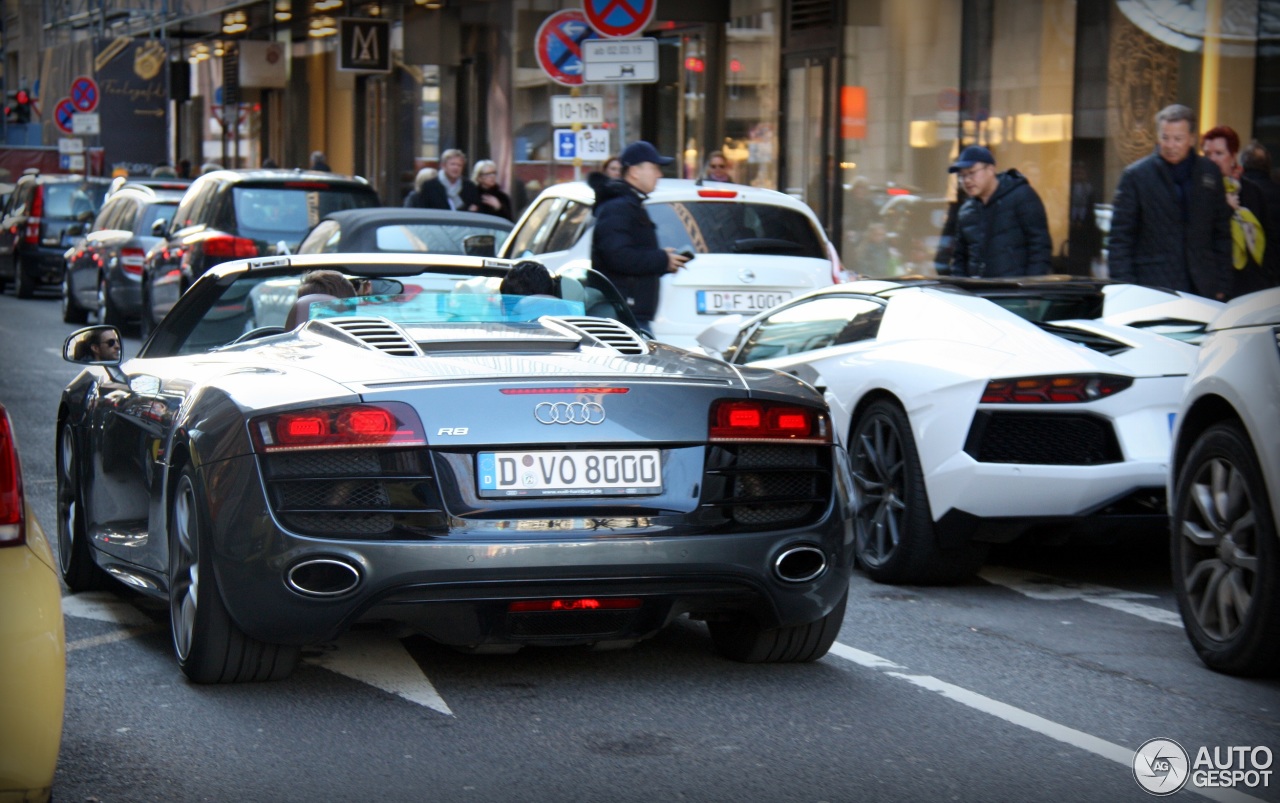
<point>558,45</point>
<point>619,18</point>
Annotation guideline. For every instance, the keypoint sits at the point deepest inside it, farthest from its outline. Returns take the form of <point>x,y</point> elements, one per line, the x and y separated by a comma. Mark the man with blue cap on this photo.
<point>1001,229</point>
<point>624,244</point>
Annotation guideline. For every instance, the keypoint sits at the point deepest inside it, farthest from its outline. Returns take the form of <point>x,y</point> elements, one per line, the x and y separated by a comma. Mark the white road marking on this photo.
<point>1024,719</point>
<point>383,662</point>
<point>1055,589</point>
<point>108,638</point>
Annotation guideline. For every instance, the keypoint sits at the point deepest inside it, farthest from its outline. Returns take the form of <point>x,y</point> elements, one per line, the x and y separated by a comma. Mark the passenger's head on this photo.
<point>1175,130</point>
<point>528,278</point>
<point>102,345</point>
<point>326,282</point>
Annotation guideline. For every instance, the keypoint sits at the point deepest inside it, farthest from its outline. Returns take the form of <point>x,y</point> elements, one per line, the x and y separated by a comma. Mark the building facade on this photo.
<point>855,106</point>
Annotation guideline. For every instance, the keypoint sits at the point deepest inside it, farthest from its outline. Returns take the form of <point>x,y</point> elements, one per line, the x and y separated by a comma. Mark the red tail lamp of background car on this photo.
<point>738,420</point>
<point>230,247</point>
<point>1054,389</point>
<point>348,426</point>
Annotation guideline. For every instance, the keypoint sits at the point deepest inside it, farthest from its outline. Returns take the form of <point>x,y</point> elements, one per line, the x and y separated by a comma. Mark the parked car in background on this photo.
<point>234,214</point>
<point>753,248</point>
<point>1225,492</point>
<point>33,660</point>
<point>43,217</point>
<point>491,471</point>
<point>975,409</point>
<point>400,229</point>
<point>104,268</point>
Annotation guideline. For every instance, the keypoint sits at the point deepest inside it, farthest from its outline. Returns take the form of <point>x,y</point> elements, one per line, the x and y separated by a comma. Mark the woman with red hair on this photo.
<point>1253,271</point>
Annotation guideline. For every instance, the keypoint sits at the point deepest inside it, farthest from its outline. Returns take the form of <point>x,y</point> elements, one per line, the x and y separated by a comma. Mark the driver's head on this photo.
<point>105,345</point>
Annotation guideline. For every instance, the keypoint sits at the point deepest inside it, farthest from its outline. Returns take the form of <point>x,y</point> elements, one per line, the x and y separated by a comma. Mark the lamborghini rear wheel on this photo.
<point>895,538</point>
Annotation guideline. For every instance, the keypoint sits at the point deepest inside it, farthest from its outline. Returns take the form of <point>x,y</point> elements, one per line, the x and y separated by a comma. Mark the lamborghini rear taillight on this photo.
<point>347,426</point>
<point>1067,389</point>
<point>752,420</point>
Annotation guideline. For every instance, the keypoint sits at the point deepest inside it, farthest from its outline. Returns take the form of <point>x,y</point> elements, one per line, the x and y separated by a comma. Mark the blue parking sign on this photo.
<point>566,144</point>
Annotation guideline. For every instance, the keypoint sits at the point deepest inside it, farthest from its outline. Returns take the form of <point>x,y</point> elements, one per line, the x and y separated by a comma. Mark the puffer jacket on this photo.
<point>624,244</point>
<point>1006,236</point>
<point>1150,243</point>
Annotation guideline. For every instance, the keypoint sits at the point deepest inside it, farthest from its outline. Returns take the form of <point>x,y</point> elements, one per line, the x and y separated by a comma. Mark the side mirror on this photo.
<point>158,228</point>
<point>93,345</point>
<point>718,337</point>
<point>74,230</point>
<point>480,245</point>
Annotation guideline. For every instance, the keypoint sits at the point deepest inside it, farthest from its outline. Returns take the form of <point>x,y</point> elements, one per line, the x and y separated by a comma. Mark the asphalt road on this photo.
<point>1036,682</point>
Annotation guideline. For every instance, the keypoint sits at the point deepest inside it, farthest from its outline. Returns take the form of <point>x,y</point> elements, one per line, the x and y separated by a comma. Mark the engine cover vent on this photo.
<point>377,333</point>
<point>609,333</point>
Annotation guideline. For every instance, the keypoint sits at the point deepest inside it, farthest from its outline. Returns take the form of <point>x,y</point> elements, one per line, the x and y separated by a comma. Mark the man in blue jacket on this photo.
<point>1170,222</point>
<point>624,244</point>
<point>1001,230</point>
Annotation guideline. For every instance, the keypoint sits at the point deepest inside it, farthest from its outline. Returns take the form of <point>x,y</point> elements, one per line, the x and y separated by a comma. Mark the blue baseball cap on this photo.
<point>970,156</point>
<point>641,151</point>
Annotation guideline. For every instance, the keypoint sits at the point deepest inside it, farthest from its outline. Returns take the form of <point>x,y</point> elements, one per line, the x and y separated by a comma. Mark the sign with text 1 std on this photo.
<point>589,144</point>
<point>567,110</point>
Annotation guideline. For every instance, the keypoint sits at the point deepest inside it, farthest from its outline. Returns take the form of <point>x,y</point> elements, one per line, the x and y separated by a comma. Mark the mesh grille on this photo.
<point>750,486</point>
<point>325,464</point>
<point>343,524</point>
<point>1043,439</point>
<point>341,494</point>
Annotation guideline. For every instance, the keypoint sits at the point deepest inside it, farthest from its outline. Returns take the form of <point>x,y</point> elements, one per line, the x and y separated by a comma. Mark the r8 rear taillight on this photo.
<point>343,427</point>
<point>756,420</point>
<point>1063,389</point>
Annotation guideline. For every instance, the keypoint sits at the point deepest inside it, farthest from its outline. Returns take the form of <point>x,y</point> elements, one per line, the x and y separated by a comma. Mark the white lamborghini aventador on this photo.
<point>974,410</point>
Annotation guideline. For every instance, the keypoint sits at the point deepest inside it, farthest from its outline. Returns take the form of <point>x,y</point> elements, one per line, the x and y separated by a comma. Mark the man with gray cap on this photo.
<point>1001,230</point>
<point>624,245</point>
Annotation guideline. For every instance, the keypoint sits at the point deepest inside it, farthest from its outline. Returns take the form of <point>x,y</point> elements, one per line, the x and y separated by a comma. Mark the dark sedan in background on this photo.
<point>104,268</point>
<point>487,470</point>
<point>407,230</point>
<point>44,215</point>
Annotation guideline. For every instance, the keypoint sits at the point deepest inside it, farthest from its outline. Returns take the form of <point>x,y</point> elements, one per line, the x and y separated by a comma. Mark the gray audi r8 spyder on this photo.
<point>489,470</point>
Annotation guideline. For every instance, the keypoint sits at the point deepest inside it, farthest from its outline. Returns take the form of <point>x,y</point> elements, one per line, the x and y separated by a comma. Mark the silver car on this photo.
<point>1225,492</point>
<point>489,470</point>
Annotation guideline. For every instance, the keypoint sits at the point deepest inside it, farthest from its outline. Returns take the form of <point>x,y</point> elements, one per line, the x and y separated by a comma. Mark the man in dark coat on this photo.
<point>1170,222</point>
<point>449,189</point>
<point>624,243</point>
<point>1257,168</point>
<point>1001,230</point>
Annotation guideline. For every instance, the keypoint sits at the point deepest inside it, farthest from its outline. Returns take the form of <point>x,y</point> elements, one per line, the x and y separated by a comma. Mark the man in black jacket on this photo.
<point>1001,230</point>
<point>624,243</point>
<point>1170,222</point>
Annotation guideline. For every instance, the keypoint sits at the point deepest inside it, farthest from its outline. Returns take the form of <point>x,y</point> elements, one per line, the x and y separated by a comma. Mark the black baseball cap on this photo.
<point>641,151</point>
<point>970,156</point>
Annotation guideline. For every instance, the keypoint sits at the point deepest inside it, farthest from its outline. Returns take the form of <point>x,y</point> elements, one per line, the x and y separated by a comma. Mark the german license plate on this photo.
<point>585,472</point>
<point>724,302</point>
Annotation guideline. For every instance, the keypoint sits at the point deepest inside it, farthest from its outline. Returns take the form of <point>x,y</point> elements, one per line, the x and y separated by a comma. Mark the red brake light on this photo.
<point>1069,389</point>
<point>349,426</point>
<point>230,247</point>
<point>308,185</point>
<point>750,420</point>
<point>12,531</point>
<point>31,235</point>
<point>579,604</point>
<point>131,260</point>
<point>717,193</point>
<point>37,202</point>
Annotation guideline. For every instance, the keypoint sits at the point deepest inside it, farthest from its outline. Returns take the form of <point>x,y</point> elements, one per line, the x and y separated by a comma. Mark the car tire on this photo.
<point>742,639</point>
<point>75,558</point>
<point>72,312</point>
<point>1225,555</point>
<point>108,312</point>
<point>23,286</point>
<point>210,648</point>
<point>895,540</point>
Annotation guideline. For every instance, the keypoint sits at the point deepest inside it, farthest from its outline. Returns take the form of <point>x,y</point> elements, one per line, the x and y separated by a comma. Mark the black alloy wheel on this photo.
<point>75,560</point>
<point>1225,556</point>
<point>894,536</point>
<point>742,639</point>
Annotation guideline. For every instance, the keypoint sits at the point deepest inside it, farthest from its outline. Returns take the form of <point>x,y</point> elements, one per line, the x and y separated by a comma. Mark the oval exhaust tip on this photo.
<point>800,564</point>
<point>322,577</point>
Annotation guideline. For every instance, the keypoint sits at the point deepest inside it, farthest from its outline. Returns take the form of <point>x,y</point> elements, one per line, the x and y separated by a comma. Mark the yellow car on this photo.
<point>33,657</point>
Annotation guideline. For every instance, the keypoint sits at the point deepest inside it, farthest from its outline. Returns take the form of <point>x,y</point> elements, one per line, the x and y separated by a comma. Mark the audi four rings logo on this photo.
<point>569,413</point>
